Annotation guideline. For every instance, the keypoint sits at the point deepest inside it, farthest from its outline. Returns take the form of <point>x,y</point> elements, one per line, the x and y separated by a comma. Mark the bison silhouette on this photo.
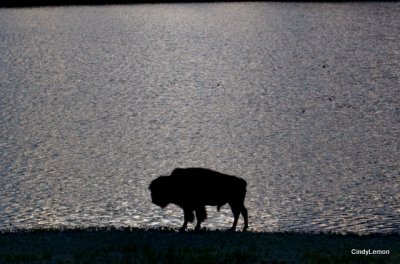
<point>194,188</point>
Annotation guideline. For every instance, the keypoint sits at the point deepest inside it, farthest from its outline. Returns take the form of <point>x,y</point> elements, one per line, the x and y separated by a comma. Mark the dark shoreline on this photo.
<point>136,245</point>
<point>43,3</point>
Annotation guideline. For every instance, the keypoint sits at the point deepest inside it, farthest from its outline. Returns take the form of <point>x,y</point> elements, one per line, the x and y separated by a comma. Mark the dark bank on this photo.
<point>110,245</point>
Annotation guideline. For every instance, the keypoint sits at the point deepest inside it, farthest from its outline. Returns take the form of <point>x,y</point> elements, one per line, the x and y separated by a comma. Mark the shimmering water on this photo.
<point>300,99</point>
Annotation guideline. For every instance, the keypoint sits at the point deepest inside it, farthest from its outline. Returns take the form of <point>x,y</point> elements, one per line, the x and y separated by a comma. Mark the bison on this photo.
<point>194,188</point>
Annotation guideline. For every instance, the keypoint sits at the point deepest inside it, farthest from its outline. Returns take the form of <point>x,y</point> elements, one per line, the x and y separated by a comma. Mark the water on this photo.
<point>300,99</point>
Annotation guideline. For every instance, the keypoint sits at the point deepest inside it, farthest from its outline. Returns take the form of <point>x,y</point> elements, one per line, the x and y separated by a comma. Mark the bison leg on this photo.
<point>188,217</point>
<point>236,212</point>
<point>201,215</point>
<point>245,217</point>
<point>237,209</point>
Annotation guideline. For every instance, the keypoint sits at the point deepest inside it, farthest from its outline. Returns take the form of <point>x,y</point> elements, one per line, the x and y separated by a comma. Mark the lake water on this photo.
<point>300,99</point>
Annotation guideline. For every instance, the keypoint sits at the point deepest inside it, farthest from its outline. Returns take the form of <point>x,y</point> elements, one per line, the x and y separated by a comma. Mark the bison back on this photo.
<point>198,186</point>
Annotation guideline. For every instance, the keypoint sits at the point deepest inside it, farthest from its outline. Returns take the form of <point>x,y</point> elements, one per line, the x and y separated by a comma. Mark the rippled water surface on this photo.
<point>300,99</point>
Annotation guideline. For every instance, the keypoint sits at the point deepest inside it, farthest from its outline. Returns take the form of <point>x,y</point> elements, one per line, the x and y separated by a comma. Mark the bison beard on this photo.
<point>194,188</point>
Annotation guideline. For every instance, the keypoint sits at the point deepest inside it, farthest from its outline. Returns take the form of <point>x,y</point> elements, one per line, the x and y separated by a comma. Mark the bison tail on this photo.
<point>218,207</point>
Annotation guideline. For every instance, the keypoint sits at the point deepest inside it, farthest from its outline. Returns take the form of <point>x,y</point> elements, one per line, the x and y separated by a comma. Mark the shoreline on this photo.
<point>136,245</point>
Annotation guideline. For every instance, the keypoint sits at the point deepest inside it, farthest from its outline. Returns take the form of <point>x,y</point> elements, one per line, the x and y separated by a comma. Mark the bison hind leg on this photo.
<point>243,211</point>
<point>236,212</point>
<point>237,209</point>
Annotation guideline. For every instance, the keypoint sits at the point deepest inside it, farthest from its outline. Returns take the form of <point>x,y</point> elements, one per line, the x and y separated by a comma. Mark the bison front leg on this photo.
<point>201,215</point>
<point>188,217</point>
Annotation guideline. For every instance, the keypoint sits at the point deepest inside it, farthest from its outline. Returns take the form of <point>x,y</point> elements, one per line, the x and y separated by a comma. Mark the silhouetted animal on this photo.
<point>194,188</point>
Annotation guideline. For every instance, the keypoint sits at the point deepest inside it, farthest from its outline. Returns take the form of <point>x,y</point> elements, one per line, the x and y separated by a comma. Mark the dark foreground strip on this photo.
<point>110,245</point>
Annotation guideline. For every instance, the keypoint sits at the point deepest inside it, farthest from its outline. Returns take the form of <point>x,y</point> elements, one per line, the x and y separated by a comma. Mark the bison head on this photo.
<point>160,191</point>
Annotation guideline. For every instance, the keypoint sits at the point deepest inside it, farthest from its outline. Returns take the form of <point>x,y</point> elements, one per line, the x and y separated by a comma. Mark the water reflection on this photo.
<point>295,98</point>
